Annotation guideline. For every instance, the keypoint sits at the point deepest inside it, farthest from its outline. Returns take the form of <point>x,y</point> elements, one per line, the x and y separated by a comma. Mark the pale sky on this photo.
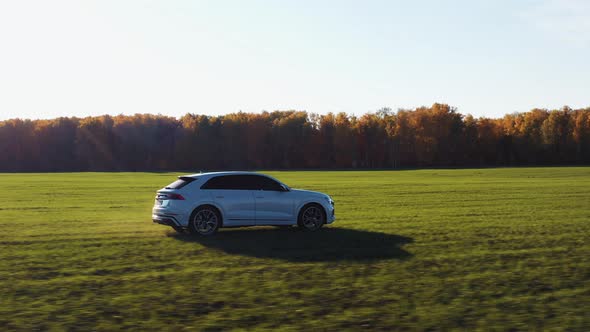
<point>487,58</point>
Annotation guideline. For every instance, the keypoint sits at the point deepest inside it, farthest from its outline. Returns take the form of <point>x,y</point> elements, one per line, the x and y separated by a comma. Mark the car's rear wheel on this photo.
<point>205,221</point>
<point>179,229</point>
<point>311,217</point>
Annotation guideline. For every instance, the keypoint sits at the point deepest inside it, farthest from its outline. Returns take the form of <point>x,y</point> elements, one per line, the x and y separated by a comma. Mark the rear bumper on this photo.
<point>165,220</point>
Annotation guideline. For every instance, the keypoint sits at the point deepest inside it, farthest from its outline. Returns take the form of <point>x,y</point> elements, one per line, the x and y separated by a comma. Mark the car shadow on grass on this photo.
<point>327,244</point>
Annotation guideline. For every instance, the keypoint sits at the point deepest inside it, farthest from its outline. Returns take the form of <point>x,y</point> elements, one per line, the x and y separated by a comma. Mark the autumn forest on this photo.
<point>436,136</point>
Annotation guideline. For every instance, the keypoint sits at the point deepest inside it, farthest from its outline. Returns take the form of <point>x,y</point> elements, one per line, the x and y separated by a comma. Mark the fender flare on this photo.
<point>306,202</point>
<point>213,204</point>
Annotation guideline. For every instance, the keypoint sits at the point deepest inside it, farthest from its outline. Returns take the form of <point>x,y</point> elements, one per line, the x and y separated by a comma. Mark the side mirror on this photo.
<point>284,188</point>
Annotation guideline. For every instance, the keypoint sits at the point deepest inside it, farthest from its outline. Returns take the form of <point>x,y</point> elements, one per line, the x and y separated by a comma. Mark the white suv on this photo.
<point>202,203</point>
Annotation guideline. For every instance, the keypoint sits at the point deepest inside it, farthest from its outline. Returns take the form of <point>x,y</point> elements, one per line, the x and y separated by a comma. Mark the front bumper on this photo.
<point>331,215</point>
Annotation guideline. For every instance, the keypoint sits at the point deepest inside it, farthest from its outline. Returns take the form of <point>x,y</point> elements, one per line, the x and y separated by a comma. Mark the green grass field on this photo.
<point>487,249</point>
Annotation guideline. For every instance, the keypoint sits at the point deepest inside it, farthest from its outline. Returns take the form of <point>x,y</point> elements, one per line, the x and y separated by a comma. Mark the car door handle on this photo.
<point>259,196</point>
<point>219,197</point>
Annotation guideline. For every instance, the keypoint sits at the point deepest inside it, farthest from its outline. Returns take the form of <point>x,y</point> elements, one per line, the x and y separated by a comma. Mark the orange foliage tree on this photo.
<point>436,136</point>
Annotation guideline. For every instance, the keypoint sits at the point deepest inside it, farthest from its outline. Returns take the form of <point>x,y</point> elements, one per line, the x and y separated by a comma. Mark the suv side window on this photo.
<point>259,182</point>
<point>229,182</point>
<point>217,182</point>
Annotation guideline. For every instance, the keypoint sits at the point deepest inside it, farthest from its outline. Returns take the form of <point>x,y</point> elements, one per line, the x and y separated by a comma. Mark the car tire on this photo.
<point>179,229</point>
<point>311,217</point>
<point>204,221</point>
<point>284,227</point>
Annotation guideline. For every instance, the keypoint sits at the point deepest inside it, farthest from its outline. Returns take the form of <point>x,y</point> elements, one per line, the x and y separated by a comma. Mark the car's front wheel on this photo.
<point>311,217</point>
<point>205,221</point>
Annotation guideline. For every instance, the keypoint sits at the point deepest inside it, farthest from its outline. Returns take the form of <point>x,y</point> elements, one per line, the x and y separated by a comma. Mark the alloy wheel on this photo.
<point>312,218</point>
<point>205,222</point>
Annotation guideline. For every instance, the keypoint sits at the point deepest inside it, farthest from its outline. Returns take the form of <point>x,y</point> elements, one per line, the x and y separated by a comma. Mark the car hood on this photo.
<point>308,192</point>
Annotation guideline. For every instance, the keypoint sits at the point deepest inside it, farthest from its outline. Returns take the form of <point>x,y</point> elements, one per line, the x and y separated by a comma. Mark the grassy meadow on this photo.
<point>487,249</point>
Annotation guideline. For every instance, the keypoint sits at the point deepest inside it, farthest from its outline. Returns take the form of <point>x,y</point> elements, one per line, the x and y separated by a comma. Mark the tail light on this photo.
<point>176,196</point>
<point>170,196</point>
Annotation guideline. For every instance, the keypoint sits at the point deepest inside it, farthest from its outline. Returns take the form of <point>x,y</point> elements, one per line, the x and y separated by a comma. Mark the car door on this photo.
<point>232,195</point>
<point>274,205</point>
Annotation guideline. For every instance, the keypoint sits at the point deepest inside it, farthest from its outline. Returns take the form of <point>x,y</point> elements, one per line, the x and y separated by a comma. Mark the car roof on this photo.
<point>211,174</point>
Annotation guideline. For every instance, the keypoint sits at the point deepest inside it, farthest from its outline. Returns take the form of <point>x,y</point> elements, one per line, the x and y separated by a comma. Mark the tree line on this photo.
<point>436,136</point>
